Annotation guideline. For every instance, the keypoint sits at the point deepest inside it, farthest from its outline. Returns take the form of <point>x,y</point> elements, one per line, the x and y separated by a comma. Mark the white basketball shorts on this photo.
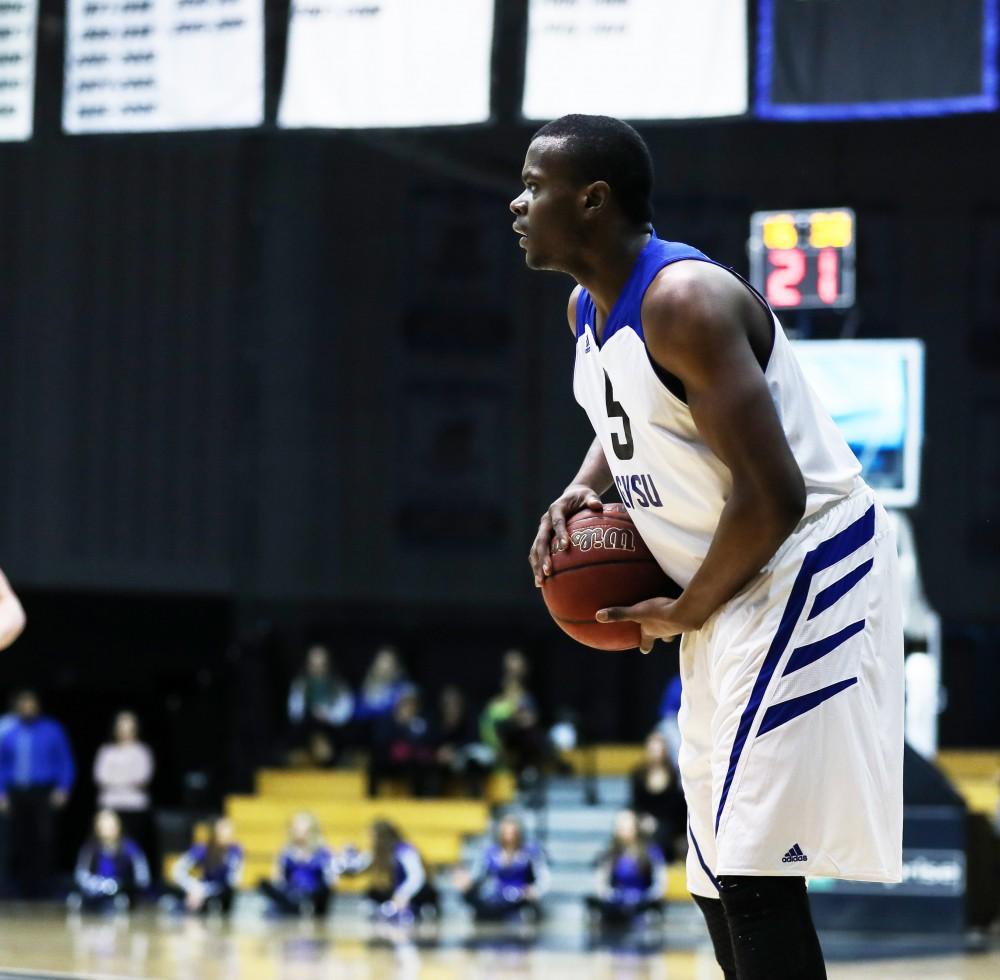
<point>792,711</point>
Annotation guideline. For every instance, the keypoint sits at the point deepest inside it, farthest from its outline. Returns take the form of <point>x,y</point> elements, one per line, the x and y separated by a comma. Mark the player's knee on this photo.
<point>771,928</point>
<point>742,894</point>
<point>718,931</point>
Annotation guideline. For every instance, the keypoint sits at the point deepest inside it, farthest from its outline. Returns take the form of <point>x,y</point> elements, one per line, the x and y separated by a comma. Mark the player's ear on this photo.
<point>596,195</point>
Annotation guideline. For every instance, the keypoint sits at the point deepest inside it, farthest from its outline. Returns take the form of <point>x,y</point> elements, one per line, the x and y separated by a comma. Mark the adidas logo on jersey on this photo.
<point>616,538</point>
<point>794,853</point>
<point>586,344</point>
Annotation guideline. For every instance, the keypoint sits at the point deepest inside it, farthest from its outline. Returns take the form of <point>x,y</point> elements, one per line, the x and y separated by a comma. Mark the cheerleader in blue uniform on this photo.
<point>305,872</point>
<point>509,879</point>
<point>400,890</point>
<point>111,870</point>
<point>631,876</point>
<point>207,876</point>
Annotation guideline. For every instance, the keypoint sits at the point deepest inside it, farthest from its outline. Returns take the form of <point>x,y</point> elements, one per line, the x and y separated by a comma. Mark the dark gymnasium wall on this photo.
<point>304,379</point>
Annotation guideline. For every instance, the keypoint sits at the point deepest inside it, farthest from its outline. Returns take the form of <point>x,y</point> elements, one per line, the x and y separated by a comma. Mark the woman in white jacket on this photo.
<point>123,770</point>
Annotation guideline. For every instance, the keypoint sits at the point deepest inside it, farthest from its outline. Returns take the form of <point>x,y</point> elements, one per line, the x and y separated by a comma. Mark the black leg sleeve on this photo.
<point>718,930</point>
<point>771,927</point>
<point>279,896</point>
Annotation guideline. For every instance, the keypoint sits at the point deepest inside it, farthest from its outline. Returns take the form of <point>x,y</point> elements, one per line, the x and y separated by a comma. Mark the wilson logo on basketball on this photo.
<point>609,538</point>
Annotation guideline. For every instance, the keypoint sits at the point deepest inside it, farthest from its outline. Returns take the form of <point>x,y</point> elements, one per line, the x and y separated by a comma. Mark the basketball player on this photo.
<point>12,618</point>
<point>748,496</point>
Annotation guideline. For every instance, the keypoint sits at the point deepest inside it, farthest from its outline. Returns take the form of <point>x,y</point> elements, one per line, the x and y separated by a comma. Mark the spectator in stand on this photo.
<point>658,800</point>
<point>12,618</point>
<point>631,876</point>
<point>667,725</point>
<point>304,874</point>
<point>400,889</point>
<point>459,754</point>
<point>509,879</point>
<point>510,724</point>
<point>320,707</point>
<point>123,770</point>
<point>381,688</point>
<point>402,749</point>
<point>513,695</point>
<point>111,870</point>
<point>36,778</point>
<point>208,875</point>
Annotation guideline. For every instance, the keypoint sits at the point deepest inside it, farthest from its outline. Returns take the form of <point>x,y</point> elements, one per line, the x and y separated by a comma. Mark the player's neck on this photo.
<point>607,268</point>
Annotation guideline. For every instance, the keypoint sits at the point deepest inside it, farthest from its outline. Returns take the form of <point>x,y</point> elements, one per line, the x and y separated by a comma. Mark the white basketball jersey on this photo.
<point>673,485</point>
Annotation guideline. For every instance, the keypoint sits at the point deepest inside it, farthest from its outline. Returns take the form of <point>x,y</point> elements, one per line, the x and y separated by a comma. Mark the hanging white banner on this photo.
<point>18,27</point>
<point>153,65</point>
<point>636,59</point>
<point>392,63</point>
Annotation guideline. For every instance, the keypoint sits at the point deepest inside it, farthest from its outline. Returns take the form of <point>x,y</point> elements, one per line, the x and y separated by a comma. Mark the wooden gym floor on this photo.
<point>46,943</point>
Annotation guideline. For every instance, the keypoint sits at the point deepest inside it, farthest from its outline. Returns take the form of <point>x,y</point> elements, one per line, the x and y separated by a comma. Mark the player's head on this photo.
<point>26,704</point>
<point>582,175</point>
<point>223,832</point>
<point>126,727</point>
<point>107,827</point>
<point>510,833</point>
<point>303,828</point>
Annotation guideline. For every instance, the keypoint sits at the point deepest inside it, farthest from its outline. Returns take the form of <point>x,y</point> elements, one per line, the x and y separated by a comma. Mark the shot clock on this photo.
<point>803,260</point>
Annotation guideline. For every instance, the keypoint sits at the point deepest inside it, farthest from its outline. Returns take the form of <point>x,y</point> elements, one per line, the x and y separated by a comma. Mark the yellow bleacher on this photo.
<point>436,827</point>
<point>975,773</point>
<point>605,760</point>
<point>338,801</point>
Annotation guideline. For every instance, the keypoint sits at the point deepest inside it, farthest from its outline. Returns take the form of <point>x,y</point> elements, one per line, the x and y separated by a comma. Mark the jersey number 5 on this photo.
<point>624,447</point>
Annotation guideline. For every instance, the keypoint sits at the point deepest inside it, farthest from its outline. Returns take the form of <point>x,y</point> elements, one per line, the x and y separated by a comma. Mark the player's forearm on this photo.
<point>594,471</point>
<point>752,527</point>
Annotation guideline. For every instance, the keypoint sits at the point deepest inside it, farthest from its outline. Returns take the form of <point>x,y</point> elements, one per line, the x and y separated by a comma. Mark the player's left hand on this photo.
<point>659,619</point>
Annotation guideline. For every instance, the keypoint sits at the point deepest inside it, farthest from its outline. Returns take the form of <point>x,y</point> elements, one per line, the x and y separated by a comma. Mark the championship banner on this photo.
<point>636,59</point>
<point>870,59</point>
<point>155,65</point>
<point>18,24</point>
<point>393,63</point>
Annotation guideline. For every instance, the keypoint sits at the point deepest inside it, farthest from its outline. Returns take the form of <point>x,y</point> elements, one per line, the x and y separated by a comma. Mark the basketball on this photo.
<point>606,564</point>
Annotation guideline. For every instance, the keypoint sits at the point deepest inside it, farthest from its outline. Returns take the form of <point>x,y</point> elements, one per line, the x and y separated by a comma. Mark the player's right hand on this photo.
<point>552,536</point>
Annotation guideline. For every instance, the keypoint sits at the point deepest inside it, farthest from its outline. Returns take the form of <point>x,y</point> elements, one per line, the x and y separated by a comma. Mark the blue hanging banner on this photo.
<point>873,59</point>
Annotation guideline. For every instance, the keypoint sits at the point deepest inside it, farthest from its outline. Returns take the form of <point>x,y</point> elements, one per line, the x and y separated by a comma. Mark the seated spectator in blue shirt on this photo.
<point>305,873</point>
<point>111,870</point>
<point>381,688</point>
<point>667,724</point>
<point>36,777</point>
<point>402,749</point>
<point>400,890</point>
<point>509,878</point>
<point>631,875</point>
<point>208,875</point>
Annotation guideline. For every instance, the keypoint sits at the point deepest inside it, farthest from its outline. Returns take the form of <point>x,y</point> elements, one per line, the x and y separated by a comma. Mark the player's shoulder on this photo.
<point>574,297</point>
<point>691,304</point>
<point>692,288</point>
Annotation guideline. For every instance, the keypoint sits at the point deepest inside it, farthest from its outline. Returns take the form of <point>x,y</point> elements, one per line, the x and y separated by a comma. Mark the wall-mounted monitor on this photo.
<point>874,389</point>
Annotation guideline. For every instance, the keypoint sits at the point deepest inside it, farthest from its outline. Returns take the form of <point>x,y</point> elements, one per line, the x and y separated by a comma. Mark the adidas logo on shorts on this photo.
<point>794,853</point>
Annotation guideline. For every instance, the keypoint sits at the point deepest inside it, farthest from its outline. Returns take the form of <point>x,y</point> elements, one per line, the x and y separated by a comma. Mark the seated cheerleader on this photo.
<point>207,876</point>
<point>400,890</point>
<point>631,876</point>
<point>304,874</point>
<point>509,878</point>
<point>111,870</point>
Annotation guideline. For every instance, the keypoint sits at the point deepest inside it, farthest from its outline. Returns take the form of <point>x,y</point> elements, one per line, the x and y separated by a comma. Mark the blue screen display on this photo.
<point>873,391</point>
